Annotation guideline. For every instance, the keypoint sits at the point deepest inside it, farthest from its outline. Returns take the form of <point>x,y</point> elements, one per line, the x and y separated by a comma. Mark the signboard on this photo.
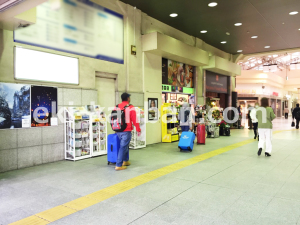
<point>275,94</point>
<point>177,74</point>
<point>216,83</point>
<point>79,27</point>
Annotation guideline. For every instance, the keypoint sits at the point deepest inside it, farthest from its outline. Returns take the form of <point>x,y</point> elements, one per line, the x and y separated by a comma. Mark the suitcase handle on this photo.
<point>111,148</point>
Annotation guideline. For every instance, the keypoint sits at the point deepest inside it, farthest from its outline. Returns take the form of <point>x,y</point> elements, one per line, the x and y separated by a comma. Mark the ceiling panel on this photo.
<point>268,19</point>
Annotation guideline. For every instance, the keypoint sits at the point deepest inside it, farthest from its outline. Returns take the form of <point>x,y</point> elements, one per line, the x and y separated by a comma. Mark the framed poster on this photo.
<point>14,106</point>
<point>43,105</point>
<point>153,109</point>
<point>177,74</point>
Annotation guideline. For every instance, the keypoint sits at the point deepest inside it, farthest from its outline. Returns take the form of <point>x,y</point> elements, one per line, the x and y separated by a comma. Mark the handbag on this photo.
<point>293,124</point>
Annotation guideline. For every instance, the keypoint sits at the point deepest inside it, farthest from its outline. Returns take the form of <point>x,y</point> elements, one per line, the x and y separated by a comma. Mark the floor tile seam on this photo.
<point>225,169</point>
<point>273,197</point>
<point>163,203</point>
<point>42,218</point>
<point>274,168</point>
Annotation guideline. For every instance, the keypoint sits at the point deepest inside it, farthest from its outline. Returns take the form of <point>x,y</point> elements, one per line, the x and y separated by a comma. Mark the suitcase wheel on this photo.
<point>108,163</point>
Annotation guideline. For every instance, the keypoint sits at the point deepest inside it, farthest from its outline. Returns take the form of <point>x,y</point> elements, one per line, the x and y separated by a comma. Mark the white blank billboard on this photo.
<point>47,67</point>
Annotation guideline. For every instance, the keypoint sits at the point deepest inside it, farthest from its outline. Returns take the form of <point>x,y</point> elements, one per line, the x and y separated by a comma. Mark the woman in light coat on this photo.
<point>265,115</point>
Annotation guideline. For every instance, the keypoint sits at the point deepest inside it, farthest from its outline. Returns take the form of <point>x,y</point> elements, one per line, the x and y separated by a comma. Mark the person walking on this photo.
<point>254,119</point>
<point>265,115</point>
<point>286,113</point>
<point>125,136</point>
<point>186,118</point>
<point>296,115</point>
<point>249,118</point>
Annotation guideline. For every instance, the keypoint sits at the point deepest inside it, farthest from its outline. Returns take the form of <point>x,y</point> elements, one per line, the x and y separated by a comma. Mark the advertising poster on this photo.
<point>43,105</point>
<point>216,83</point>
<point>153,109</point>
<point>179,74</point>
<point>14,106</point>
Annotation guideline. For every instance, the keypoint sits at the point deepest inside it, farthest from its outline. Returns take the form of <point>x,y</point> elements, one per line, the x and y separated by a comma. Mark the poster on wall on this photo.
<point>178,74</point>
<point>216,83</point>
<point>153,109</point>
<point>43,106</point>
<point>80,27</point>
<point>14,106</point>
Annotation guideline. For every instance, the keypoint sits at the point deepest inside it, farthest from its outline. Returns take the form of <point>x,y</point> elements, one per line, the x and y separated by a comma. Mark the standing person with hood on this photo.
<point>254,119</point>
<point>296,115</point>
<point>186,118</point>
<point>265,115</point>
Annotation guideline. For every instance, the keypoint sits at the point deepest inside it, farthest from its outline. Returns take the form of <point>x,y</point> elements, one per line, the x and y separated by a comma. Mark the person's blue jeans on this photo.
<point>123,154</point>
<point>185,128</point>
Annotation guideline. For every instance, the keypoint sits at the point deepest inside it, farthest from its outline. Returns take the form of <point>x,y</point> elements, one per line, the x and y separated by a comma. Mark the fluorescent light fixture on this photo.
<point>42,66</point>
<point>293,66</point>
<point>254,37</point>
<point>212,4</point>
<point>223,42</point>
<point>239,50</point>
<point>273,68</point>
<point>266,69</point>
<point>238,24</point>
<point>173,14</point>
<point>203,31</point>
<point>293,13</point>
<point>267,46</point>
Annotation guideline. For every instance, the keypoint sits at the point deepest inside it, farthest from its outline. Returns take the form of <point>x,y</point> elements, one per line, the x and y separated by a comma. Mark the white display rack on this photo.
<point>85,134</point>
<point>139,141</point>
<point>98,132</point>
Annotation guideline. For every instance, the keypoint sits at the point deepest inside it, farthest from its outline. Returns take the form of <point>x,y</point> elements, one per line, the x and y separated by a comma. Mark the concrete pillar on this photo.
<point>298,95</point>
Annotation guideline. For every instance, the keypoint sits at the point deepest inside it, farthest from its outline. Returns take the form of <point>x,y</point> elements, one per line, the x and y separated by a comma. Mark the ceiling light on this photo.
<point>239,50</point>
<point>267,46</point>
<point>223,42</point>
<point>254,37</point>
<point>173,14</point>
<point>203,31</point>
<point>238,24</point>
<point>293,13</point>
<point>212,4</point>
<point>227,33</point>
<point>299,29</point>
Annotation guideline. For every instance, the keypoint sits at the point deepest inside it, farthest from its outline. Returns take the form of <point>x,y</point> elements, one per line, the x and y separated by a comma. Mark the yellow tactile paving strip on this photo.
<point>76,205</point>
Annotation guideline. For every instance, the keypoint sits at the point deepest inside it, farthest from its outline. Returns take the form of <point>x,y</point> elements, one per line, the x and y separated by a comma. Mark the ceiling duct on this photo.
<point>6,4</point>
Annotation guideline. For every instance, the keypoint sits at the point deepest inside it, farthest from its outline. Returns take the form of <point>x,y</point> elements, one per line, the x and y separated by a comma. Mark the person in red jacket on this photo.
<point>125,136</point>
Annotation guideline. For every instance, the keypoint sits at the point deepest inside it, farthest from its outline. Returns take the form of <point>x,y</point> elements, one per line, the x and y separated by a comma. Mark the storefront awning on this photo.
<point>223,66</point>
<point>173,49</point>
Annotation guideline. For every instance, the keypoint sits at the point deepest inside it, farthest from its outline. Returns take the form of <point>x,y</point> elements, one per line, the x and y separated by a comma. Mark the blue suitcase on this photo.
<point>113,146</point>
<point>186,142</point>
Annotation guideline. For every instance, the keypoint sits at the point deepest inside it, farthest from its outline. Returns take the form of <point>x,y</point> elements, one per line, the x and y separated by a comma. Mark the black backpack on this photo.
<point>118,119</point>
<point>186,116</point>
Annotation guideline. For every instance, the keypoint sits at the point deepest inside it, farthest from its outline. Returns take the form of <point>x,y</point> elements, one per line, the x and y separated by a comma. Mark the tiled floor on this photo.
<point>236,187</point>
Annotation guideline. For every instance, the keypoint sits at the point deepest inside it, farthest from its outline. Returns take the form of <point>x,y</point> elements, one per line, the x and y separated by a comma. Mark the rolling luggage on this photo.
<point>113,146</point>
<point>201,134</point>
<point>186,142</point>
